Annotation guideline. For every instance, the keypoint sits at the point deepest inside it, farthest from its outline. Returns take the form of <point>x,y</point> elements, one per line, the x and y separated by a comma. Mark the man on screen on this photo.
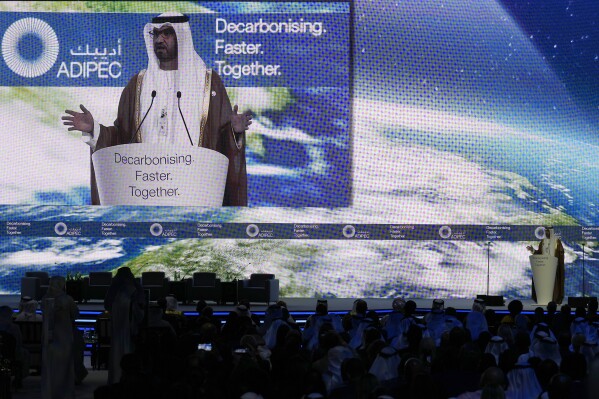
<point>175,74</point>
<point>552,245</point>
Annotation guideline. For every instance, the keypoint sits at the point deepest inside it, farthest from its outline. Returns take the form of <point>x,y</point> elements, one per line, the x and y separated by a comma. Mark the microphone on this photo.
<point>184,124</point>
<point>144,118</point>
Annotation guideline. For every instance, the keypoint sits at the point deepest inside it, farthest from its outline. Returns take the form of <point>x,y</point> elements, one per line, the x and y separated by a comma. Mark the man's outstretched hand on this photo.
<point>82,121</point>
<point>240,122</point>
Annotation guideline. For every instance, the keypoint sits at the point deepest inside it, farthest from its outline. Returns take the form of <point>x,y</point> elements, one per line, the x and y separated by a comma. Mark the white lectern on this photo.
<point>544,268</point>
<point>158,174</point>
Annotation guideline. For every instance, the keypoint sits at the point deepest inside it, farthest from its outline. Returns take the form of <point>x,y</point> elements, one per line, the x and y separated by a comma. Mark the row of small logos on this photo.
<point>295,231</point>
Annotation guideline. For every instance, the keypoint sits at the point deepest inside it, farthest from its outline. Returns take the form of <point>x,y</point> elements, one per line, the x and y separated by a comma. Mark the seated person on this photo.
<point>173,315</point>
<point>27,310</point>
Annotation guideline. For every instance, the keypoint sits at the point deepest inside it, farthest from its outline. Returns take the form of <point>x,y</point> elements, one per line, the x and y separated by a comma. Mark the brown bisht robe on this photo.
<point>558,288</point>
<point>216,135</point>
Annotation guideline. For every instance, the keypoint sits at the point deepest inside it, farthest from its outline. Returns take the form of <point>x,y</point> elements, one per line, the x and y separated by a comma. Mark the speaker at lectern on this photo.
<point>145,174</point>
<point>552,247</point>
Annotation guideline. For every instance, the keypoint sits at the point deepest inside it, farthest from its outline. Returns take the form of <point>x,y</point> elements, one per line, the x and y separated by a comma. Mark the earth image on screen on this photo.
<point>451,123</point>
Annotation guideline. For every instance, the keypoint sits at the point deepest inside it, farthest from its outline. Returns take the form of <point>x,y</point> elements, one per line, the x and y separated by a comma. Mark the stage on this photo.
<point>303,307</point>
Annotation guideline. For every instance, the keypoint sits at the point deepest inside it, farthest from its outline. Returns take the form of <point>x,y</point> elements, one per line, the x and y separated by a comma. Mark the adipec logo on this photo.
<point>348,231</point>
<point>60,228</point>
<point>540,232</point>
<point>30,47</point>
<point>252,230</point>
<point>445,232</point>
<point>156,229</point>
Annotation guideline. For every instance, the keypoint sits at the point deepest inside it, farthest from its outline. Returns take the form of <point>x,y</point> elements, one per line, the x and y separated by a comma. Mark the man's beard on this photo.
<point>163,54</point>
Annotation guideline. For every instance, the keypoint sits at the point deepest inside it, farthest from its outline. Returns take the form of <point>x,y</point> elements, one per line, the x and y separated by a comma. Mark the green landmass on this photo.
<point>293,289</point>
<point>258,100</point>
<point>553,217</point>
<point>278,98</point>
<point>48,103</point>
<point>186,257</point>
<point>181,258</point>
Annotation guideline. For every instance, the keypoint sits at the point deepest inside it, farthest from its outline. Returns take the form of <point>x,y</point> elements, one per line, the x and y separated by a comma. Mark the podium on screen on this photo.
<point>160,175</point>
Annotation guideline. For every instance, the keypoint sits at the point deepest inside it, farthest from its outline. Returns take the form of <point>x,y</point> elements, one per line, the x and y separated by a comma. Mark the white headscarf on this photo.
<point>251,395</point>
<point>496,347</point>
<point>336,356</point>
<point>171,303</point>
<point>593,334</point>
<point>547,348</point>
<point>28,311</point>
<point>550,244</point>
<point>270,337</point>
<point>476,323</point>
<point>523,382</point>
<point>589,350</point>
<point>385,365</point>
<point>189,79</point>
<point>579,326</point>
<point>540,331</point>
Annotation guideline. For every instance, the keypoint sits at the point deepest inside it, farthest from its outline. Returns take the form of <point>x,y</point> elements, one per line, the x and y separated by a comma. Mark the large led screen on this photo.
<point>396,148</point>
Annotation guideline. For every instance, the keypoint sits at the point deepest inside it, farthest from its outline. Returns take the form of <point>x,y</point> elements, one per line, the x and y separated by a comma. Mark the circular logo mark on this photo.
<point>445,232</point>
<point>60,228</point>
<point>252,230</point>
<point>349,231</point>
<point>540,232</point>
<point>30,47</point>
<point>156,229</point>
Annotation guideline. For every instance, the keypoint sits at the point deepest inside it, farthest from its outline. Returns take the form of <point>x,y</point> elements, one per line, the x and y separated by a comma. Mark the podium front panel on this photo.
<point>160,175</point>
<point>544,268</point>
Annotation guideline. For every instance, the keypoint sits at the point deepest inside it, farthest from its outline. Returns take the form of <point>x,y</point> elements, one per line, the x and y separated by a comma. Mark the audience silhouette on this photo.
<point>157,352</point>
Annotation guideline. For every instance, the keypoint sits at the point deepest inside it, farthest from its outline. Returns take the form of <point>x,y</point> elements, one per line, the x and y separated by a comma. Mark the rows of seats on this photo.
<point>260,287</point>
